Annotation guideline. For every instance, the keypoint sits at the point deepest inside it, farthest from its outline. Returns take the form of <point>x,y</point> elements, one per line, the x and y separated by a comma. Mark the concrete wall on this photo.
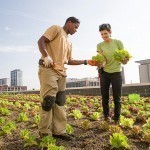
<point>142,89</point>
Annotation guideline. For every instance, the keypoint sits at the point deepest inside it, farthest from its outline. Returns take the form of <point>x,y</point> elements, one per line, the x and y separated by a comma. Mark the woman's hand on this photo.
<point>125,61</point>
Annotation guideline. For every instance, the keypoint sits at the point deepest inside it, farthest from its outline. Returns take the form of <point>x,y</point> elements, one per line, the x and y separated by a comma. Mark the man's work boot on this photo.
<point>65,137</point>
<point>42,135</point>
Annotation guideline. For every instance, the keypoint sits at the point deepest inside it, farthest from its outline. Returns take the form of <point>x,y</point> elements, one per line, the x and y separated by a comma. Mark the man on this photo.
<point>56,50</point>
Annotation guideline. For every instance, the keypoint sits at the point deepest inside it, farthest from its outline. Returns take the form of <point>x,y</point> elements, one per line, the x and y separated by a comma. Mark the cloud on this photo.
<point>7,28</point>
<point>23,14</point>
<point>14,48</point>
<point>20,33</point>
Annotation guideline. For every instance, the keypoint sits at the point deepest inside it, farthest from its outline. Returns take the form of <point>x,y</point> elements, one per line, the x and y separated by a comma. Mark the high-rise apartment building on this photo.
<point>5,81</point>
<point>16,77</point>
<point>144,70</point>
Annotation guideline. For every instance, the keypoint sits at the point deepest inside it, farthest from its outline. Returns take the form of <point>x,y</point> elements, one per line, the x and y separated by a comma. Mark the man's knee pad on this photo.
<point>61,98</point>
<point>48,102</point>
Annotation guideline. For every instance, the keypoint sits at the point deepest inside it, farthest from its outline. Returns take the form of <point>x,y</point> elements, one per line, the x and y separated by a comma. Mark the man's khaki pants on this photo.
<point>55,120</point>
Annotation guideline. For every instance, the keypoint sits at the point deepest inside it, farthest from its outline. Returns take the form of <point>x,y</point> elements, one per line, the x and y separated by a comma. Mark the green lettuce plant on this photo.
<point>126,122</point>
<point>4,111</point>
<point>36,119</point>
<point>104,125</point>
<point>12,125</point>
<point>133,98</point>
<point>147,124</point>
<point>95,116</point>
<point>69,129</point>
<point>6,129</point>
<point>85,108</point>
<point>77,114</point>
<point>23,117</point>
<point>26,106</point>
<point>119,140</point>
<point>24,133</point>
<point>17,104</point>
<point>2,120</point>
<point>85,124</point>
<point>47,140</point>
<point>30,140</point>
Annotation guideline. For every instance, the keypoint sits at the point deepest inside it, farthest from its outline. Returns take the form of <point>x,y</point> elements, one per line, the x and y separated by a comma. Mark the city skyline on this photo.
<point>23,22</point>
<point>14,82</point>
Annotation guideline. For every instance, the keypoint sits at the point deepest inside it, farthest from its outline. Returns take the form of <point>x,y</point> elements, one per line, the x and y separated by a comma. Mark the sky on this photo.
<point>22,23</point>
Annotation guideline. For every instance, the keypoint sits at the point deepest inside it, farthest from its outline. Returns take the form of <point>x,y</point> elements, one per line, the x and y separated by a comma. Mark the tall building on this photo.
<point>16,77</point>
<point>144,70</point>
<point>5,81</point>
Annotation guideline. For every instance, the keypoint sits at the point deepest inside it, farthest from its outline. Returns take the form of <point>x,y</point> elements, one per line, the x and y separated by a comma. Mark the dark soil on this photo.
<point>93,138</point>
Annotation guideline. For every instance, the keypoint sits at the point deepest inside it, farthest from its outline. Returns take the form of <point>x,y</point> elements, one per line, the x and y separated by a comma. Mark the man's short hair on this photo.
<point>73,20</point>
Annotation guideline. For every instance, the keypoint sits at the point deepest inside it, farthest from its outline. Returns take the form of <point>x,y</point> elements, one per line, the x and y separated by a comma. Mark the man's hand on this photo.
<point>125,61</point>
<point>48,61</point>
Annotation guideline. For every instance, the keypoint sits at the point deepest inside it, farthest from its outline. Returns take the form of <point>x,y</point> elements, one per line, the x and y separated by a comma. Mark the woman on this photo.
<point>110,73</point>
